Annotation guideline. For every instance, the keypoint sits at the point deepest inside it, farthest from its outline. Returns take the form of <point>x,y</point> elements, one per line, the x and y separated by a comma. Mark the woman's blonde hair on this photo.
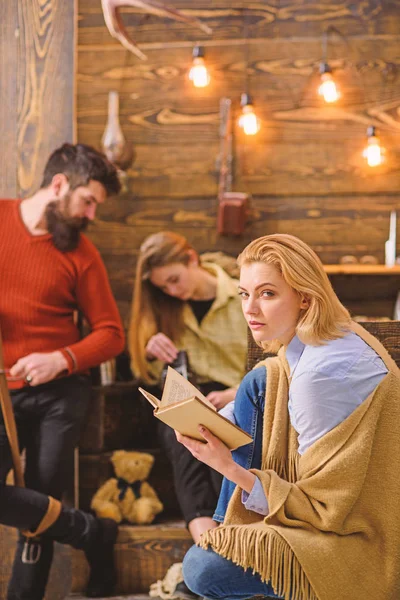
<point>154,311</point>
<point>325,318</point>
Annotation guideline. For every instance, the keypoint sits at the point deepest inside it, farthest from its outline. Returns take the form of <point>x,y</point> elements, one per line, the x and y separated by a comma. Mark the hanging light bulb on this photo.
<point>248,120</point>
<point>198,72</point>
<point>328,89</point>
<point>373,152</point>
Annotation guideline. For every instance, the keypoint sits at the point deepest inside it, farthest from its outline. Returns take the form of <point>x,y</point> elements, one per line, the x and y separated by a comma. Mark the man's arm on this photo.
<point>96,301</point>
<point>106,340</point>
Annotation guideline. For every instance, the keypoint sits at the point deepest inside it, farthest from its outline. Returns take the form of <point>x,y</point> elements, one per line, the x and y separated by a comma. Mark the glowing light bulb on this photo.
<point>328,89</point>
<point>198,73</point>
<point>248,120</point>
<point>373,151</point>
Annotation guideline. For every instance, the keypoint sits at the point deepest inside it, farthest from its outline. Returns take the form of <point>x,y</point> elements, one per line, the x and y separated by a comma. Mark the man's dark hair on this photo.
<point>81,163</point>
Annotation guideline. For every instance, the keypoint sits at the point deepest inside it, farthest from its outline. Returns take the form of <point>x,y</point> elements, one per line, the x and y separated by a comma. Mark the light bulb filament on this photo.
<point>328,89</point>
<point>198,74</point>
<point>248,120</point>
<point>373,152</point>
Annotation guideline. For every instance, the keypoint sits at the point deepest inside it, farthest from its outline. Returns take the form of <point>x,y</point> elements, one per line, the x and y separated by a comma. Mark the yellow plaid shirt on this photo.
<point>217,347</point>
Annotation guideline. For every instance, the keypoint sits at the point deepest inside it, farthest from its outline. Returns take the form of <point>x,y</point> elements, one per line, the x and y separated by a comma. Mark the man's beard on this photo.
<point>65,230</point>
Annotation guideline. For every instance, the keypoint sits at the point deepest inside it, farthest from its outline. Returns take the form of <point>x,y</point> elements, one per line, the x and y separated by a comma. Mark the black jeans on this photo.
<point>197,486</point>
<point>21,507</point>
<point>48,419</point>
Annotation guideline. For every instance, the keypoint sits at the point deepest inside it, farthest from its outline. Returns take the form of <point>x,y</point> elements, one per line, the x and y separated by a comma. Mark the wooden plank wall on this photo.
<point>8,94</point>
<point>37,84</point>
<point>37,88</point>
<point>304,169</point>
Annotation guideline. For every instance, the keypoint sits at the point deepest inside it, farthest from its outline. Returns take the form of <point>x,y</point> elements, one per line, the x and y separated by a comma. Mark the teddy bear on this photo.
<point>128,496</point>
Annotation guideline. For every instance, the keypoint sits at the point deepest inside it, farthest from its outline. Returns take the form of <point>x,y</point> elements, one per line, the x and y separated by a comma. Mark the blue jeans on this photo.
<point>205,572</point>
<point>249,411</point>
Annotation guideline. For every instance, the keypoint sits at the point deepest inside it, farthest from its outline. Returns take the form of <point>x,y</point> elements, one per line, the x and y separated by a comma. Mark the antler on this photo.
<point>117,29</point>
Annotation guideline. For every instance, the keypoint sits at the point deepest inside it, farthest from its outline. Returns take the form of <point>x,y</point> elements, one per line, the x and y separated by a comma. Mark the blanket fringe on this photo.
<point>264,551</point>
<point>287,470</point>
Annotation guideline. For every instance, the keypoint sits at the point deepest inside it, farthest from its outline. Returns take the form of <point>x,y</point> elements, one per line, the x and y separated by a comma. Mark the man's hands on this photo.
<point>221,399</point>
<point>161,347</point>
<point>39,367</point>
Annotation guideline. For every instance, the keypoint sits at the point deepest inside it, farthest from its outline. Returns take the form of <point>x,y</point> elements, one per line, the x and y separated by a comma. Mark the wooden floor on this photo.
<point>130,597</point>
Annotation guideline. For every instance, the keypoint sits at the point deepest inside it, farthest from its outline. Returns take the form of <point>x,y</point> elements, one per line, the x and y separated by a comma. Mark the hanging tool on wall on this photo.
<point>116,26</point>
<point>232,206</point>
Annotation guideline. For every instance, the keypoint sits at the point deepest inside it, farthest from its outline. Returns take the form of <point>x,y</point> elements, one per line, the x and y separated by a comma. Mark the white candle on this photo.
<point>390,245</point>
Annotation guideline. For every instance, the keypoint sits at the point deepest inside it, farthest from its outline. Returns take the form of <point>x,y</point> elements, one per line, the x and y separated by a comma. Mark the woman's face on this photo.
<point>271,307</point>
<point>176,279</point>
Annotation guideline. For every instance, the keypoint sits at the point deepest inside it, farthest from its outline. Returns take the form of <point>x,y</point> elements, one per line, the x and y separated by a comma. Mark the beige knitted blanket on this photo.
<point>333,530</point>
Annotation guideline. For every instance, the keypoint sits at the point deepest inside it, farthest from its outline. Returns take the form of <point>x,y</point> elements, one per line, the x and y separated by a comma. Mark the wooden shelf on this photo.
<point>369,290</point>
<point>362,270</point>
<point>117,387</point>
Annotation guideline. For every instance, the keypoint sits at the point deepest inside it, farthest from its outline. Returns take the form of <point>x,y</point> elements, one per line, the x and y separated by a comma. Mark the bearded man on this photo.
<point>48,271</point>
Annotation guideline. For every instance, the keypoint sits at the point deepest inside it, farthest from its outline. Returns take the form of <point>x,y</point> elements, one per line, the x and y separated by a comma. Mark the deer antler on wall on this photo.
<point>116,27</point>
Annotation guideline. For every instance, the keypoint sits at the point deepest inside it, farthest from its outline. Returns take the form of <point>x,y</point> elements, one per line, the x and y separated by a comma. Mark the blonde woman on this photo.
<point>180,303</point>
<point>310,508</point>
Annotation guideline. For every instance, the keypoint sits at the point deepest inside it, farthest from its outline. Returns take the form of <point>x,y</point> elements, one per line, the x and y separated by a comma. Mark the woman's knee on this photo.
<point>252,389</point>
<point>198,567</point>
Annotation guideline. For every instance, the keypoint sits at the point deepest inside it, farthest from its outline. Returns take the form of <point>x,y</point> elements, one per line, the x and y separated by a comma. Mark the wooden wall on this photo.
<point>304,169</point>
<point>37,88</point>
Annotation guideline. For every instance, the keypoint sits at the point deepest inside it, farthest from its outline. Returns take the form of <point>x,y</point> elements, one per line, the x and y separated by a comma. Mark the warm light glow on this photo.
<point>373,152</point>
<point>199,73</point>
<point>248,120</point>
<point>328,88</point>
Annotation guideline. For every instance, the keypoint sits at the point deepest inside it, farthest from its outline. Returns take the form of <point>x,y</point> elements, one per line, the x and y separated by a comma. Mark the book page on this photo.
<point>177,388</point>
<point>152,399</point>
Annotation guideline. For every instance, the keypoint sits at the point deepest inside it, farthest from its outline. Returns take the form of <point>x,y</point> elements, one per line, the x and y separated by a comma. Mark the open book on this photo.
<point>184,408</point>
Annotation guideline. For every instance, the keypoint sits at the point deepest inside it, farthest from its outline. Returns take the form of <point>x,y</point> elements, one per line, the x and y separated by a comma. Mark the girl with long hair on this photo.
<point>309,510</point>
<point>180,303</point>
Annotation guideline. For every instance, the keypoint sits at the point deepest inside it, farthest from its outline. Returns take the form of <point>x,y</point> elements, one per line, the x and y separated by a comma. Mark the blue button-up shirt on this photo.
<point>327,383</point>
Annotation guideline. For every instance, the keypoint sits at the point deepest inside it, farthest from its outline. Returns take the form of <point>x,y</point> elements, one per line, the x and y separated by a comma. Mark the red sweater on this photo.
<point>41,288</point>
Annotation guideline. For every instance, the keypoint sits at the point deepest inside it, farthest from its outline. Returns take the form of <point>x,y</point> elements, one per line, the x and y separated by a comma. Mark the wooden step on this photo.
<point>143,555</point>
<point>129,597</point>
